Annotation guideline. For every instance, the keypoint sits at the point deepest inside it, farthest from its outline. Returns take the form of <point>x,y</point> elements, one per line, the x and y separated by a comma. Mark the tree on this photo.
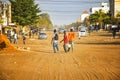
<point>87,21</point>
<point>44,21</point>
<point>1,20</point>
<point>118,15</point>
<point>24,12</point>
<point>98,16</point>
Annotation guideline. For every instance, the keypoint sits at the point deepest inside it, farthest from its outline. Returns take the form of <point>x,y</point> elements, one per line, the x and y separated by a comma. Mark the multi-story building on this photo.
<point>114,7</point>
<point>117,7</point>
<point>5,12</point>
<point>104,7</point>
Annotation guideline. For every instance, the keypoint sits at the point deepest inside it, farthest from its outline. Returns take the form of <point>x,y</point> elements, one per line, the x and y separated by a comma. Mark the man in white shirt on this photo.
<point>55,41</point>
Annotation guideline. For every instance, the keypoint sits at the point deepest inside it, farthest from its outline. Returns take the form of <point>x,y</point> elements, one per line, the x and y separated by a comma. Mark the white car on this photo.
<point>83,31</point>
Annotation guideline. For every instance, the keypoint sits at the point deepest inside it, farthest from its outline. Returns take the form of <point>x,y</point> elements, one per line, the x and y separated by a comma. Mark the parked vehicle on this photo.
<point>42,36</point>
<point>83,31</point>
<point>61,30</point>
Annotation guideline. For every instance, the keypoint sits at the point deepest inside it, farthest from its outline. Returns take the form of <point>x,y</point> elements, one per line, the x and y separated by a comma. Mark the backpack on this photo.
<point>56,37</point>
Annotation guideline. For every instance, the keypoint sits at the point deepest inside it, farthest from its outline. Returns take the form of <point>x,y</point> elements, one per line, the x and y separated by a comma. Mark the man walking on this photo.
<point>71,36</point>
<point>15,38</point>
<point>55,41</point>
<point>65,39</point>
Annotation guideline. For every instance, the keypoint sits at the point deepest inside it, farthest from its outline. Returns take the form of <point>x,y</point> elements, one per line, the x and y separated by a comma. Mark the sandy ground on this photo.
<point>95,57</point>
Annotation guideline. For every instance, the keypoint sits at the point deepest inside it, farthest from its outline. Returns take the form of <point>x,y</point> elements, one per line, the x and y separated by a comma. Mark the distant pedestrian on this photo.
<point>114,30</point>
<point>30,33</point>
<point>114,33</point>
<point>55,41</point>
<point>15,38</point>
<point>71,36</point>
<point>33,32</point>
<point>79,34</point>
<point>66,43</point>
<point>24,39</point>
<point>10,39</point>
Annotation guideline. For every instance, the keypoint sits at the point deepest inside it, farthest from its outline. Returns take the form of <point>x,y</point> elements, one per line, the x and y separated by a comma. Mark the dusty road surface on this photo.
<point>95,57</point>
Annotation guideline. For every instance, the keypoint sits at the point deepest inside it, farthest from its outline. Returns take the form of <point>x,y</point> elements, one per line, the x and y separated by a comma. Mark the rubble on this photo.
<point>5,44</point>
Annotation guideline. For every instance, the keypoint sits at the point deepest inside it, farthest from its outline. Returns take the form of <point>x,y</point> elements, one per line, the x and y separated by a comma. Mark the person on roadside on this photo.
<point>66,43</point>
<point>30,33</point>
<point>114,33</point>
<point>79,34</point>
<point>15,38</point>
<point>114,30</point>
<point>24,39</point>
<point>9,35</point>
<point>71,36</point>
<point>54,41</point>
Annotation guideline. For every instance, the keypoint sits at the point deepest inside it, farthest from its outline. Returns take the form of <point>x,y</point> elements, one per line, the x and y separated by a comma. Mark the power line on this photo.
<point>60,11</point>
<point>71,1</point>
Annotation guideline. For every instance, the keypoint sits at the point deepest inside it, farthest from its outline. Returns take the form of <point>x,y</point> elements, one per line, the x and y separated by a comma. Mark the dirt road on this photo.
<point>96,57</point>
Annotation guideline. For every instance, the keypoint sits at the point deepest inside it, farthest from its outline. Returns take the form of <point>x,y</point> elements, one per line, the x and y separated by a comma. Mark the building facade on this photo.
<point>104,7</point>
<point>117,7</point>
<point>84,15</point>
<point>114,7</point>
<point>5,12</point>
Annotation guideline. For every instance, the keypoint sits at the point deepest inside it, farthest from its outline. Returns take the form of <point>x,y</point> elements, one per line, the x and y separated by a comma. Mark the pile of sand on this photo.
<point>5,44</point>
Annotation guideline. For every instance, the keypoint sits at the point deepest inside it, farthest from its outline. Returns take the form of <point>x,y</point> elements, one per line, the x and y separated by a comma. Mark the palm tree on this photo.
<point>98,17</point>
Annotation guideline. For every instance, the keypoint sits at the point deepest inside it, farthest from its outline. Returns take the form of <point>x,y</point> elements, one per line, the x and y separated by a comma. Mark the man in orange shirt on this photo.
<point>71,36</point>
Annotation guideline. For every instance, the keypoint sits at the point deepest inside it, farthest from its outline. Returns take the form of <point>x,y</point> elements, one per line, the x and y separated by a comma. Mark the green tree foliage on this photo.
<point>118,15</point>
<point>24,12</point>
<point>44,21</point>
<point>98,17</point>
<point>74,24</point>
<point>1,20</point>
<point>86,22</point>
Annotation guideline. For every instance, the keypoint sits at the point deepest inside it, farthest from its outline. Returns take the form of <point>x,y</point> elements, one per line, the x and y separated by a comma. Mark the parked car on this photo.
<point>61,30</point>
<point>42,36</point>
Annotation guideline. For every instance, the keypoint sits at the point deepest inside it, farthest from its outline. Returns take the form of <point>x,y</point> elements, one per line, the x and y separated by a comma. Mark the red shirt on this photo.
<point>65,39</point>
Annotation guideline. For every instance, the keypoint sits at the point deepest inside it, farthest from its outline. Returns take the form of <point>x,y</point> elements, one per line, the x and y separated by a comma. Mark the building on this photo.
<point>114,7</point>
<point>104,7</point>
<point>5,11</point>
<point>84,15</point>
<point>117,7</point>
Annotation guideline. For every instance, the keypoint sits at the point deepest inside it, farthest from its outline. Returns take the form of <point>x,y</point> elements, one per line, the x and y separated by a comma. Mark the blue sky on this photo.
<point>66,11</point>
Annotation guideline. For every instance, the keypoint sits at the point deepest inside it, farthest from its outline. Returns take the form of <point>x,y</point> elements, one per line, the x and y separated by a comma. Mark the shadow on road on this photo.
<point>101,43</point>
<point>43,51</point>
<point>109,35</point>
